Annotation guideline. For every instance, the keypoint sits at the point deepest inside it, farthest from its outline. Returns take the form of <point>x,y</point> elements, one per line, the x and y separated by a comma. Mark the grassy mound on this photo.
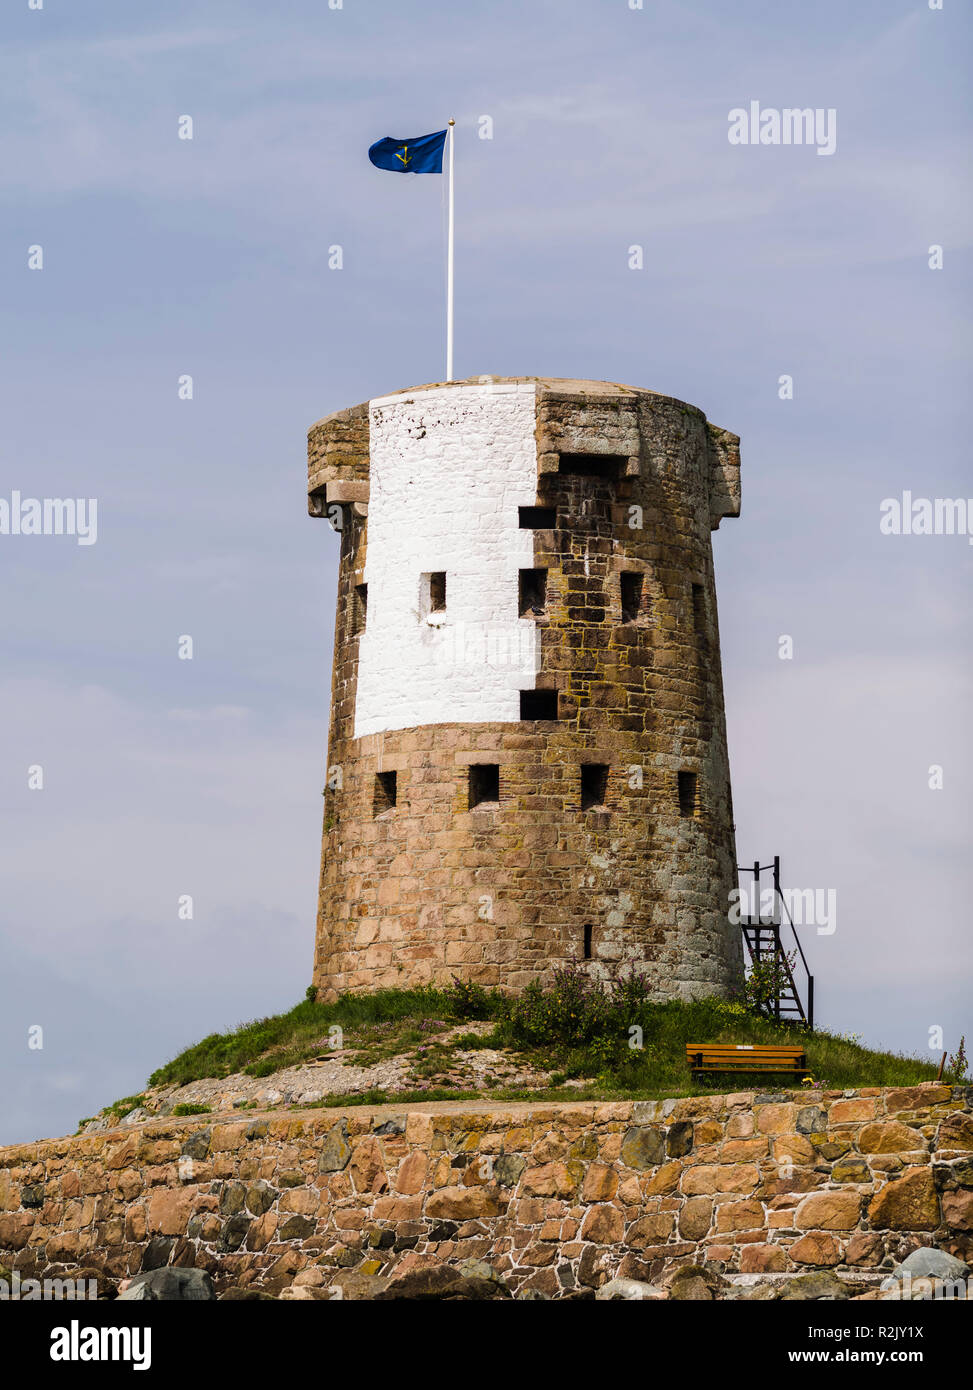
<point>612,1040</point>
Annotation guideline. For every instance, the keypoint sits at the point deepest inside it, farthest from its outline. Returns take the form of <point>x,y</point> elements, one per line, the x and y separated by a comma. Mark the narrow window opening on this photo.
<point>432,597</point>
<point>533,593</point>
<point>359,609</point>
<point>437,592</point>
<point>484,784</point>
<point>537,518</point>
<point>386,792</point>
<point>610,466</point>
<point>632,583</point>
<point>587,941</point>
<point>538,704</point>
<point>687,793</point>
<point>594,786</point>
<point>699,611</point>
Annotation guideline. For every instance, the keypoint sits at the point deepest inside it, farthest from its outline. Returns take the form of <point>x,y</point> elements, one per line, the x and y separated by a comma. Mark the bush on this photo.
<point>577,1010</point>
<point>468,1000</point>
<point>187,1109</point>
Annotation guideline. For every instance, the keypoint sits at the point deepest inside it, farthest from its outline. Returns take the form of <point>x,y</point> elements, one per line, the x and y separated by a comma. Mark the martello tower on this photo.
<point>527,760</point>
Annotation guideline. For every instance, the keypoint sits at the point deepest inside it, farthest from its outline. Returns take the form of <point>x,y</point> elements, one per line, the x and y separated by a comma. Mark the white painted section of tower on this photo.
<point>448,470</point>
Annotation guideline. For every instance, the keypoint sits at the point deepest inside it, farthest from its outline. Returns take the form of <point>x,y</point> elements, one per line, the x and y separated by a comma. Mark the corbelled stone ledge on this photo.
<point>556,1197</point>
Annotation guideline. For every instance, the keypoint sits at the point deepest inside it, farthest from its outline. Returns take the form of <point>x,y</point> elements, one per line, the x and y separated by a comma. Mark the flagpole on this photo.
<point>449,263</point>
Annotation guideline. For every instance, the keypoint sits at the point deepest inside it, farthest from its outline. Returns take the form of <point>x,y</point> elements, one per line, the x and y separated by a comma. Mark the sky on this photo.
<point>584,128</point>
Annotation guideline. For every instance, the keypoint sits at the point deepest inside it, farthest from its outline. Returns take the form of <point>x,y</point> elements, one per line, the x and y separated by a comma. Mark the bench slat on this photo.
<point>728,1058</point>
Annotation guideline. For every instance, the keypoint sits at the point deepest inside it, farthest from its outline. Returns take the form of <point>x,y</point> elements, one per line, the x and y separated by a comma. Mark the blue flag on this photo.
<point>424,155</point>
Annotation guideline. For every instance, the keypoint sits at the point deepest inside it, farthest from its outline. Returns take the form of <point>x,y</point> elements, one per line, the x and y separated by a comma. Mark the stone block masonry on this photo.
<point>527,757</point>
<point>555,1197</point>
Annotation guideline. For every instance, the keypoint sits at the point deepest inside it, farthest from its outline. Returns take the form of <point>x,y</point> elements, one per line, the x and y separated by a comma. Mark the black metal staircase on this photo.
<point>765,947</point>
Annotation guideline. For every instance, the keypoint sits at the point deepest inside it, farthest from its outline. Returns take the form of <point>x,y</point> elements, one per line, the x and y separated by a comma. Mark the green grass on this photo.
<point>268,1044</point>
<point>400,1021</point>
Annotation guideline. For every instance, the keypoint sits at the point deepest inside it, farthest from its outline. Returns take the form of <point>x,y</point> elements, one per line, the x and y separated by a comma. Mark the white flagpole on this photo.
<point>449,263</point>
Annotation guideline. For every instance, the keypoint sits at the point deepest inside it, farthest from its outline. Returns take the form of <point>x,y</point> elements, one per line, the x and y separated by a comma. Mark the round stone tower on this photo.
<point>527,760</point>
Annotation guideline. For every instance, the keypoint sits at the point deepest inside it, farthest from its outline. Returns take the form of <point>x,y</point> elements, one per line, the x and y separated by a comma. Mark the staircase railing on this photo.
<point>787,998</point>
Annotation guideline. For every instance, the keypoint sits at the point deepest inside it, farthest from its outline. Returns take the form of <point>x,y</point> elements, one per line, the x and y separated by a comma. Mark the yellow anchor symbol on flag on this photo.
<point>404,155</point>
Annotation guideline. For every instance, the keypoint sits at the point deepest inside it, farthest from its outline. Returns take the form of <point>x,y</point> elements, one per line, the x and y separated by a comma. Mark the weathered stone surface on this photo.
<point>849,1169</point>
<point>846,1111</point>
<point>643,1147</point>
<point>232,1198</point>
<point>260,1197</point>
<point>775,1119</point>
<point>696,1218</point>
<point>694,1284</point>
<point>729,1177</point>
<point>255,1211</point>
<point>762,1259</point>
<point>915,1097</point>
<point>356,1286</point>
<point>816,1248</point>
<point>630,1289</point>
<point>747,1215</point>
<point>509,1169</point>
<point>412,1173</point>
<point>957,1172</point>
<point>889,1137</point>
<point>197,1144</point>
<point>463,1203</point>
<point>603,1224</point>
<point>812,1286</point>
<point>549,1180</point>
<point>336,1150</point>
<point>169,1210</point>
<point>679,1139</point>
<point>653,1229</point>
<point>441,1282</point>
<point>163,1285</point>
<point>866,1248</point>
<point>956,1132</point>
<point>958,1210</point>
<point>811,1119</point>
<point>929,1262</point>
<point>600,1184</point>
<point>235,1230</point>
<point>829,1211</point>
<point>296,1228</point>
<point>908,1203</point>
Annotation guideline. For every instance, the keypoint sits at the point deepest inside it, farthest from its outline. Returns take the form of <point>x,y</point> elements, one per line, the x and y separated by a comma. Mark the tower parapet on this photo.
<point>527,758</point>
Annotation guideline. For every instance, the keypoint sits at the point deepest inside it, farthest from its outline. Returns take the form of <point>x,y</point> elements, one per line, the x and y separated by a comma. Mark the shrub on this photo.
<point>188,1109</point>
<point>571,1013</point>
<point>958,1062</point>
<point>468,1000</point>
<point>765,981</point>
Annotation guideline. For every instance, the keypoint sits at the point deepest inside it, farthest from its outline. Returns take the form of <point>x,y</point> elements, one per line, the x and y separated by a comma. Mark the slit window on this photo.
<point>594,786</point>
<point>484,784</point>
<point>359,609</point>
<point>432,596</point>
<point>386,792</point>
<point>687,793</point>
<point>538,704</point>
<point>437,592</point>
<point>537,518</point>
<point>587,940</point>
<point>699,610</point>
<point>533,593</point>
<point>632,585</point>
<point>610,466</point>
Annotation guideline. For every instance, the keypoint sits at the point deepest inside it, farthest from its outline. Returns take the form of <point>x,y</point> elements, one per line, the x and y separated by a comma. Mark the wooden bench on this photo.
<point>711,1058</point>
